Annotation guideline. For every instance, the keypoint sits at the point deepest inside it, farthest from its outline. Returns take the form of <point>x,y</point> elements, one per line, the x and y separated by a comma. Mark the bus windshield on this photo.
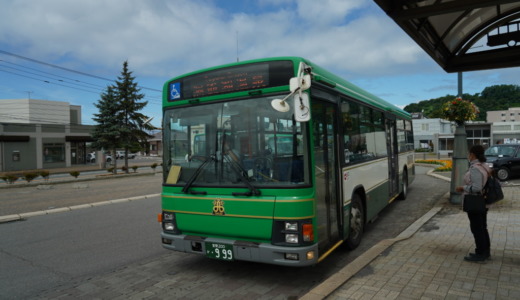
<point>240,143</point>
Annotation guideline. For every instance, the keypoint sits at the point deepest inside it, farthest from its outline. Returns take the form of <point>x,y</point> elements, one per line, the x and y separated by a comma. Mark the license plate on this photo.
<point>219,251</point>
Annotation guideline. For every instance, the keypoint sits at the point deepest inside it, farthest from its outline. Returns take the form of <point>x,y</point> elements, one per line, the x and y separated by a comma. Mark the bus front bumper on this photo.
<point>247,251</point>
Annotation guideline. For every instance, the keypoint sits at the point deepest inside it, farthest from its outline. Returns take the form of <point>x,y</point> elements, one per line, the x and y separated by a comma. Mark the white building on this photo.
<point>33,111</point>
<point>439,134</point>
<point>506,132</point>
<point>41,134</point>
<point>426,133</point>
<point>510,115</point>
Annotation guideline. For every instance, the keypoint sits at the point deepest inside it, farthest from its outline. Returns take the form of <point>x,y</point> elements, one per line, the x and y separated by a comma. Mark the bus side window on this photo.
<point>378,135</point>
<point>409,135</point>
<point>354,132</point>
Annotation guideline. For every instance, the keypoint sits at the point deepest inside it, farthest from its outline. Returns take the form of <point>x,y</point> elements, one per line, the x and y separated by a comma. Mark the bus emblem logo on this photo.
<point>218,207</point>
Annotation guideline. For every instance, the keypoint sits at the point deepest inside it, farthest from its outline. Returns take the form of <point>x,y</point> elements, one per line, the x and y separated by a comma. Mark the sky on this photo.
<point>70,51</point>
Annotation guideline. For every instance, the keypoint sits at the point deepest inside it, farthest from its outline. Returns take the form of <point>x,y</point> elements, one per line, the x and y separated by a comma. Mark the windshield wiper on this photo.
<point>196,174</point>
<point>240,171</point>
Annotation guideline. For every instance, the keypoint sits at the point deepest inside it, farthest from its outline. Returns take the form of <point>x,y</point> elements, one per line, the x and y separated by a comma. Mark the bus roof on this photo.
<point>321,75</point>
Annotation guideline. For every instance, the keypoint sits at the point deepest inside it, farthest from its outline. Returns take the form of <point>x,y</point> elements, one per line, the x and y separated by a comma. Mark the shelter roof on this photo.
<point>461,35</point>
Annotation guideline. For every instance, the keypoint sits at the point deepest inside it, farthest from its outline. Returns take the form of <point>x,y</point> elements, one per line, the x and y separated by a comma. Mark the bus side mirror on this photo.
<point>303,82</point>
<point>302,112</point>
<point>301,100</point>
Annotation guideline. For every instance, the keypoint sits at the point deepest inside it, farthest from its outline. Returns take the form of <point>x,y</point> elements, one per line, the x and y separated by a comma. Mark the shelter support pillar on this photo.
<point>460,163</point>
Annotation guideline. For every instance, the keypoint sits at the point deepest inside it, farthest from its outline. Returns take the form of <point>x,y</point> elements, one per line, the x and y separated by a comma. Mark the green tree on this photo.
<point>106,133</point>
<point>134,124</point>
<point>508,92</point>
<point>496,97</point>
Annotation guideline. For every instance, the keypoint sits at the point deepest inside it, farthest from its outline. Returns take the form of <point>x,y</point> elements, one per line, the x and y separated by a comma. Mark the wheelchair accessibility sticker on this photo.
<point>175,91</point>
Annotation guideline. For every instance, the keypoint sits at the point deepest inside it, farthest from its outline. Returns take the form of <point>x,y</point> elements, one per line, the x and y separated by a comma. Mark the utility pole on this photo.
<point>29,94</point>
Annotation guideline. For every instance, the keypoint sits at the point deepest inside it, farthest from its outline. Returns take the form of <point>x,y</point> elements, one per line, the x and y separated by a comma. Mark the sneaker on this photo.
<point>487,256</point>
<point>475,258</point>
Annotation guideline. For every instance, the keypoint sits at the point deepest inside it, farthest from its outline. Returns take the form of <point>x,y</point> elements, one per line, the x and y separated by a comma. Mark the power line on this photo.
<point>49,82</point>
<point>67,69</point>
<point>61,83</point>
<point>60,80</point>
<point>51,74</point>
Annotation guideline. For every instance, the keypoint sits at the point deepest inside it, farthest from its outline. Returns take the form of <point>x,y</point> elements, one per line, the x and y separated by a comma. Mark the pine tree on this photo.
<point>134,125</point>
<point>107,131</point>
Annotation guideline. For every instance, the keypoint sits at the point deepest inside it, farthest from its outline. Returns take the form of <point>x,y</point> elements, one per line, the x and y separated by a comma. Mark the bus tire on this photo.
<point>357,222</point>
<point>404,192</point>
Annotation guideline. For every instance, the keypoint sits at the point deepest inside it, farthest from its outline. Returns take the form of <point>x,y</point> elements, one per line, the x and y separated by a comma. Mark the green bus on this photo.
<point>277,161</point>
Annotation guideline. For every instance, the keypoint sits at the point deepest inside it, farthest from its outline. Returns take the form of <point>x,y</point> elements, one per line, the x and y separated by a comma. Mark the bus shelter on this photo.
<point>461,36</point>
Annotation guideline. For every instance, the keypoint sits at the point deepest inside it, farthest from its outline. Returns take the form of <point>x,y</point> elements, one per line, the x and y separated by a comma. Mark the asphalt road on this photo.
<point>36,198</point>
<point>46,251</point>
<point>114,251</point>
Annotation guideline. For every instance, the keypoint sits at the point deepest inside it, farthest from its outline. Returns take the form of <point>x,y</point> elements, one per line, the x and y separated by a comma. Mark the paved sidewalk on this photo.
<point>426,261</point>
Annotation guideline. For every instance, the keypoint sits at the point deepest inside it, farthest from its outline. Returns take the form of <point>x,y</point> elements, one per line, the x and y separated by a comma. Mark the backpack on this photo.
<point>492,190</point>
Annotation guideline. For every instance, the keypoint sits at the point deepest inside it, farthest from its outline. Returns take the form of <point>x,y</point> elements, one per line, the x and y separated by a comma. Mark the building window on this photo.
<point>16,155</point>
<point>425,127</point>
<point>53,152</point>
<point>446,144</point>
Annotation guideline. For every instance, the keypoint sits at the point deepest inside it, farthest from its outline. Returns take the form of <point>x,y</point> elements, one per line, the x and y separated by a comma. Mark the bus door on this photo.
<point>393,155</point>
<point>326,175</point>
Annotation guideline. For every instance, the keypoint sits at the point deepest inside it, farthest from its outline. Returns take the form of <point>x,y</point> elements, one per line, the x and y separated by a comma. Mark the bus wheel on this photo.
<point>404,192</point>
<point>357,222</point>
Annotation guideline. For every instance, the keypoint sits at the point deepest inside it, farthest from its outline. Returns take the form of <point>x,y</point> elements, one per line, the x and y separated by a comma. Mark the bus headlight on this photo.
<point>169,222</point>
<point>292,232</point>
<point>291,238</point>
<point>169,226</point>
<point>291,226</point>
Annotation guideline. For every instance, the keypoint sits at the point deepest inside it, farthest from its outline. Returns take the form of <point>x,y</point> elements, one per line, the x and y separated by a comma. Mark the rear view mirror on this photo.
<point>301,108</point>
<point>301,100</point>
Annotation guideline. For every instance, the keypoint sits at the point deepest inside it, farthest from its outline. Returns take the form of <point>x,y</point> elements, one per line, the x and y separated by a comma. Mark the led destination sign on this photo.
<point>232,79</point>
<point>229,80</point>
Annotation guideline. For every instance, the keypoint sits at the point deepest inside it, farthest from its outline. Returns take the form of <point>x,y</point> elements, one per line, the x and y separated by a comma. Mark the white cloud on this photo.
<point>164,38</point>
<point>326,12</point>
<point>171,37</point>
<point>108,32</point>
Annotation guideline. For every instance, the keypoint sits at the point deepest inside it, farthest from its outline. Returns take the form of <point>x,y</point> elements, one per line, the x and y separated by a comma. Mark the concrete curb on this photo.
<point>332,283</point>
<point>23,216</point>
<point>432,173</point>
